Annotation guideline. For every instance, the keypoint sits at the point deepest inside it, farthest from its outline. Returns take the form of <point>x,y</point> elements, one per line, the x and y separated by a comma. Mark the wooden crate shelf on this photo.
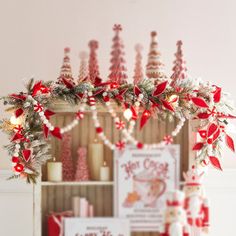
<point>56,197</point>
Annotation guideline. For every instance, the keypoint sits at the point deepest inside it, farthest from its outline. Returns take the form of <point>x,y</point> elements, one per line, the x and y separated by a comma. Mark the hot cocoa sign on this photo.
<point>141,179</point>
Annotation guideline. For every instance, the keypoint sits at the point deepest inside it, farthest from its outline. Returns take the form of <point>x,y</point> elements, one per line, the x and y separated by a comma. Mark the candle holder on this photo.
<point>54,169</point>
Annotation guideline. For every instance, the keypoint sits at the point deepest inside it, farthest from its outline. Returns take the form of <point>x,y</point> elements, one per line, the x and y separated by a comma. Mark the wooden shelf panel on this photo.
<point>74,183</point>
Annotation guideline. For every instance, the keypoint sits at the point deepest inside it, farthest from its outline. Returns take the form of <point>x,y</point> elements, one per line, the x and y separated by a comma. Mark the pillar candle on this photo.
<point>91,211</point>
<point>95,159</point>
<point>104,172</point>
<point>76,206</point>
<point>84,207</point>
<point>54,171</point>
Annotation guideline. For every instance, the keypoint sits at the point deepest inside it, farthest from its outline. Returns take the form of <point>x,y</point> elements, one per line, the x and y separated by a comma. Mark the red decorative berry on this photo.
<point>139,145</point>
<point>99,130</point>
<point>19,167</point>
<point>106,99</point>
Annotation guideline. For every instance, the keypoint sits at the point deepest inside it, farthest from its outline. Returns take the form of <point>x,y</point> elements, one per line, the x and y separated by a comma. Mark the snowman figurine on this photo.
<point>196,204</point>
<point>175,222</point>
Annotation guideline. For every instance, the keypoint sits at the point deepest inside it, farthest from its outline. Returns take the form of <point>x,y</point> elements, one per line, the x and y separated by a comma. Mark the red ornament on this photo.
<point>26,154</point>
<point>17,137</point>
<point>15,159</point>
<point>19,167</point>
<point>120,145</point>
<point>99,130</point>
<point>38,87</point>
<point>160,88</point>
<point>215,162</point>
<point>139,145</point>
<point>199,102</point>
<point>113,85</point>
<point>106,99</point>
<point>144,118</point>
<point>210,141</point>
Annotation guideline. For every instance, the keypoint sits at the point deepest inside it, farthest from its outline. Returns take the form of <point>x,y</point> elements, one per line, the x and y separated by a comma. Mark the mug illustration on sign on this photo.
<point>147,188</point>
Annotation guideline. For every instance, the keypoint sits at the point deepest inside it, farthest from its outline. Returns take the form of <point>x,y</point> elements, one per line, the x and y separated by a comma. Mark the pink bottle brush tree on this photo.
<point>138,70</point>
<point>66,158</point>
<point>82,170</point>
<point>117,69</point>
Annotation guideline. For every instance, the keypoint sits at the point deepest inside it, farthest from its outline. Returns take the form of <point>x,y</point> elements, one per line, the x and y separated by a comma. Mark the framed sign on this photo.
<point>96,227</point>
<point>141,179</point>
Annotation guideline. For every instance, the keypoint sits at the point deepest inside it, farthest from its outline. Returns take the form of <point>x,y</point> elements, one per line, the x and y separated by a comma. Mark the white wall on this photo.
<point>34,33</point>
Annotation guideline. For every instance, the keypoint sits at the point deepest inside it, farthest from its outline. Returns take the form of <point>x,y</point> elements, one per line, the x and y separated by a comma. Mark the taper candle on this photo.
<point>95,159</point>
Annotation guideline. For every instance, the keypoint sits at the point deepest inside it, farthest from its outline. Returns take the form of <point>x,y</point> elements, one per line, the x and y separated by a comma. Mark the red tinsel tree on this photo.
<point>179,69</point>
<point>66,158</point>
<point>82,170</point>
<point>154,67</point>
<point>83,69</point>
<point>117,70</point>
<point>93,62</point>
<point>66,73</point>
<point>138,70</point>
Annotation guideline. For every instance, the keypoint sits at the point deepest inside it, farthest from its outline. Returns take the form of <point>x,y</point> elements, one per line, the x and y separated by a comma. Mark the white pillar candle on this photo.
<point>54,171</point>
<point>84,206</point>
<point>76,206</point>
<point>96,154</point>
<point>91,210</point>
<point>104,172</point>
